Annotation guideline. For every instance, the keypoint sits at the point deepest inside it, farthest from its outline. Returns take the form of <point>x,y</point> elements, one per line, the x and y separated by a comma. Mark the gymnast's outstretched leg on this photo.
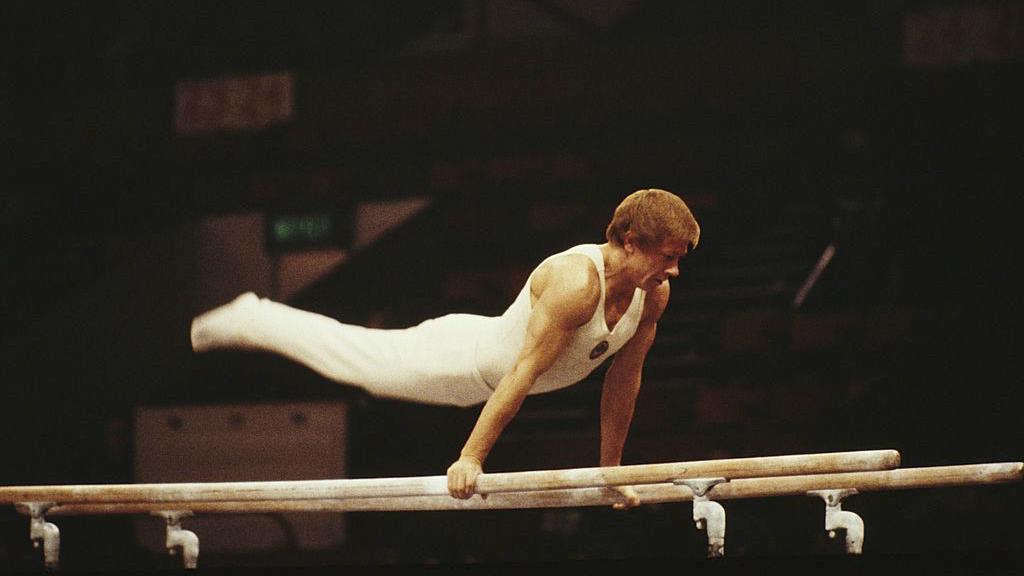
<point>341,352</point>
<point>432,362</point>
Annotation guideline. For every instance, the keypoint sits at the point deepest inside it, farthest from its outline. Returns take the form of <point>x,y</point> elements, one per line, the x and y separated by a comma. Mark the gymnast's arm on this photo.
<point>566,293</point>
<point>622,384</point>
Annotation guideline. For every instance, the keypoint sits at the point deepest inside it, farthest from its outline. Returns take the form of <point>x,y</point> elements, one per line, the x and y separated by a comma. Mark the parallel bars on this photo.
<point>830,476</point>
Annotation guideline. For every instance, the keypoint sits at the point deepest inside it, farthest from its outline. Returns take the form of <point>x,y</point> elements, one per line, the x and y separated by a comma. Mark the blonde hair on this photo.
<point>653,216</point>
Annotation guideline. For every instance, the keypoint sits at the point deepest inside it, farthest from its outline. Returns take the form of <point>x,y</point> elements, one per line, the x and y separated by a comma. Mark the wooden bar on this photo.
<point>882,480</point>
<point>873,481</point>
<point>438,485</point>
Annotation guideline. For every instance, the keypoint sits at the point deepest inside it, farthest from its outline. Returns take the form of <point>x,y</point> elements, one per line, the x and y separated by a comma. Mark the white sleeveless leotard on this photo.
<point>592,344</point>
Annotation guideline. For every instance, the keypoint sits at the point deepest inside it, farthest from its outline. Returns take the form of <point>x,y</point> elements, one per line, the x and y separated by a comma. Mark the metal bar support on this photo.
<point>179,539</point>
<point>42,533</point>
<point>837,519</point>
<point>708,515</point>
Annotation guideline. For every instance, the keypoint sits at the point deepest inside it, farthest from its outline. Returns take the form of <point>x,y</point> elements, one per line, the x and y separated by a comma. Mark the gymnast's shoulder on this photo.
<point>569,276</point>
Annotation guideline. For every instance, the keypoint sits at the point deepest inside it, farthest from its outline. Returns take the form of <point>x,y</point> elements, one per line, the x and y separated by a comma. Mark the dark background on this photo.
<point>788,128</point>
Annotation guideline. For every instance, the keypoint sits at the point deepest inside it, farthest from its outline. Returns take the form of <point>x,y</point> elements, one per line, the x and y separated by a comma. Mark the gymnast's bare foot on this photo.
<point>220,327</point>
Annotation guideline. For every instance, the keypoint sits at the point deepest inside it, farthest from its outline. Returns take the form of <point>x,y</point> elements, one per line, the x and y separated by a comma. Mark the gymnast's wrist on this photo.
<point>472,458</point>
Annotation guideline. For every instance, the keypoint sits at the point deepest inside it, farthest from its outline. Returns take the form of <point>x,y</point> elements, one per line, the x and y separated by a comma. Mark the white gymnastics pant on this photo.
<point>432,363</point>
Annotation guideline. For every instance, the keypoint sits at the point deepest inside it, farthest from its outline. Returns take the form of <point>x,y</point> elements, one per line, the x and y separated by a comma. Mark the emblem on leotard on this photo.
<point>599,349</point>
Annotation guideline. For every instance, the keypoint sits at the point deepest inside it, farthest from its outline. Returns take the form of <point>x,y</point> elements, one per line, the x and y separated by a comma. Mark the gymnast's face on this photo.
<point>657,263</point>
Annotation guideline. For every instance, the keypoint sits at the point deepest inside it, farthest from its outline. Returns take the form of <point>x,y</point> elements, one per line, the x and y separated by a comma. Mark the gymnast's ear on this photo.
<point>629,242</point>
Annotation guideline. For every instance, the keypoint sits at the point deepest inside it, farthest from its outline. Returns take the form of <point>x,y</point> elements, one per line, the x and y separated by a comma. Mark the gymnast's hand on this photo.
<point>631,498</point>
<point>462,477</point>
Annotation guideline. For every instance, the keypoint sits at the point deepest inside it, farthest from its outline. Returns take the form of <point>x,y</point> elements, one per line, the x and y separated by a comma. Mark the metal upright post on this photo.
<point>708,515</point>
<point>178,538</point>
<point>838,519</point>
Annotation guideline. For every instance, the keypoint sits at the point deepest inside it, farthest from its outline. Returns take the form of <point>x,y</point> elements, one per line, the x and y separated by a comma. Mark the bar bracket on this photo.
<point>708,515</point>
<point>180,539</point>
<point>837,519</point>
<point>42,533</point>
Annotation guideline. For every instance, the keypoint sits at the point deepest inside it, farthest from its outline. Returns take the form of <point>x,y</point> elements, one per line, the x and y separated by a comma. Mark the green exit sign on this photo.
<point>303,231</point>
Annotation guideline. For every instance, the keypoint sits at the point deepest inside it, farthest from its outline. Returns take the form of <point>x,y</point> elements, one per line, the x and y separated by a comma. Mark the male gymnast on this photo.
<point>576,309</point>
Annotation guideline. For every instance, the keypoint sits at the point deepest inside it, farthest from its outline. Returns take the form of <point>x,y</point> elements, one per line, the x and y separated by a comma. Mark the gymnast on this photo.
<point>577,308</point>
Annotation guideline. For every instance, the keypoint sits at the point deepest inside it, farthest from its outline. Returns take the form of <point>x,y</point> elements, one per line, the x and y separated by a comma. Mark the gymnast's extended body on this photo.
<point>577,308</point>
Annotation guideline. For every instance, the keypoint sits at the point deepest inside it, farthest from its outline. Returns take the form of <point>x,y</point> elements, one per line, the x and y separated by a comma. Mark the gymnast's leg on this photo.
<point>342,352</point>
<point>433,362</point>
